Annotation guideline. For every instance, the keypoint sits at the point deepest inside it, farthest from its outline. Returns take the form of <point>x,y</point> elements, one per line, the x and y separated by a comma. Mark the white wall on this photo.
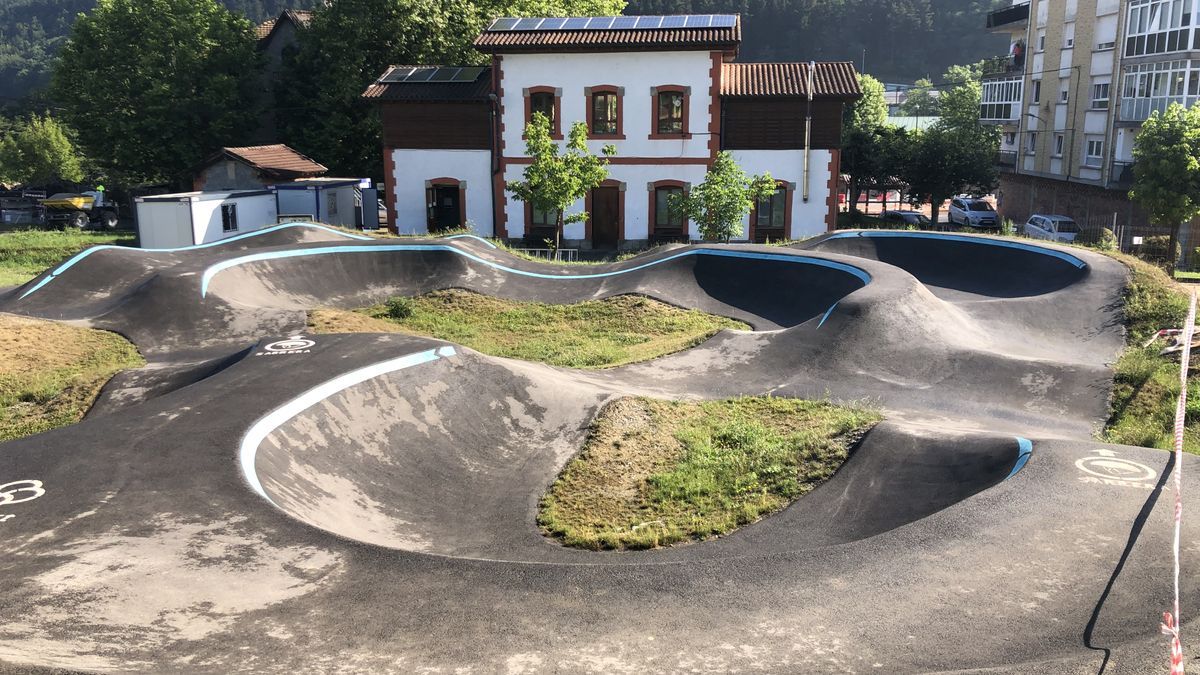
<point>414,167</point>
<point>297,202</point>
<point>164,224</point>
<point>808,219</point>
<point>253,213</point>
<point>636,72</point>
<point>343,197</point>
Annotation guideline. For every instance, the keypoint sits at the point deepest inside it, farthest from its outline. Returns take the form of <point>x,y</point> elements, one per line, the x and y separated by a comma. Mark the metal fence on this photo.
<point>561,254</point>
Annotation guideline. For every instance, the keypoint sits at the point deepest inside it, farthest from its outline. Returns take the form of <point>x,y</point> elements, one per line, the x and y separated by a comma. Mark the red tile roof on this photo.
<point>477,90</point>
<point>664,39</point>
<point>300,17</point>
<point>830,79</point>
<point>276,160</point>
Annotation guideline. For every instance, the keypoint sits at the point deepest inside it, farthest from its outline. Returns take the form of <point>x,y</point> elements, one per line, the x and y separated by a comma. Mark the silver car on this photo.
<point>972,213</point>
<point>1054,228</point>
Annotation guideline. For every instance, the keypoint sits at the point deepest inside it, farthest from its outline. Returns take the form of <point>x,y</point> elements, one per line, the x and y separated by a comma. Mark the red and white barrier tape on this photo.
<point>1170,625</point>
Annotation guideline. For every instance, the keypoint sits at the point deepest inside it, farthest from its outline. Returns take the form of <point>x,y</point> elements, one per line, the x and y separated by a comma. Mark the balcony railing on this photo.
<point>1139,109</point>
<point>1121,175</point>
<point>1006,160</point>
<point>1007,16</point>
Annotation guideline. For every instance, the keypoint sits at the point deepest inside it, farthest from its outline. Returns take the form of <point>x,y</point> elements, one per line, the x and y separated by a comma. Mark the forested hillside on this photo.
<point>903,39</point>
<point>31,32</point>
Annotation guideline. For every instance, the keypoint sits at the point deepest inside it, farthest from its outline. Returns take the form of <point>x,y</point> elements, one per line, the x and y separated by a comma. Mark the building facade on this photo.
<point>1080,79</point>
<point>665,91</point>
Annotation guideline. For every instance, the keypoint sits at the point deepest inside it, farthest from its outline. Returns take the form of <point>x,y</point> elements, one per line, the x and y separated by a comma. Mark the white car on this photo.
<point>1054,228</point>
<point>973,213</point>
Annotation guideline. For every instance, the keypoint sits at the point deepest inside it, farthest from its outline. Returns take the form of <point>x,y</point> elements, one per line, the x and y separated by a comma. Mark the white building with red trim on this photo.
<point>665,91</point>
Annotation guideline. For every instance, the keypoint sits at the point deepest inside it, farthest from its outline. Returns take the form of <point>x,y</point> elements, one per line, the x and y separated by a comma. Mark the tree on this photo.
<point>38,154</point>
<point>554,179</point>
<point>154,86</point>
<point>351,42</point>
<point>1166,170</point>
<point>720,203</point>
<point>870,111</point>
<point>958,106</point>
<point>943,161</point>
<point>872,159</point>
<point>920,101</point>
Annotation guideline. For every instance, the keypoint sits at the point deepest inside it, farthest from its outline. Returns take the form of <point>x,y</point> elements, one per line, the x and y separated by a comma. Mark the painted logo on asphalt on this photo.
<point>296,344</point>
<point>17,492</point>
<point>1104,467</point>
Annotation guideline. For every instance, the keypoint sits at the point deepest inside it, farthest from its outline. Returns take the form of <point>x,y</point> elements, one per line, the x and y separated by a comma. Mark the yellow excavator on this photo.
<point>81,210</point>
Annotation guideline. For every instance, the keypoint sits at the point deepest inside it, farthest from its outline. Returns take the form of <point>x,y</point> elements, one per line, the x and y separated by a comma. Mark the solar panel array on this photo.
<point>615,22</point>
<point>433,74</point>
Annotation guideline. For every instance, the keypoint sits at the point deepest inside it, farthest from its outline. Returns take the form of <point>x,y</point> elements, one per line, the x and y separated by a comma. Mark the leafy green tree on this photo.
<point>958,106</point>
<point>870,111</point>
<point>351,42</point>
<point>872,160</point>
<point>555,179</point>
<point>1166,172</point>
<point>727,194</point>
<point>943,161</point>
<point>153,86</point>
<point>38,154</point>
<point>920,101</point>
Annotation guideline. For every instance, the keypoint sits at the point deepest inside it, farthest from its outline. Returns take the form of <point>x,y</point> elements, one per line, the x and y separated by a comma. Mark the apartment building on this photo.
<point>664,90</point>
<point>1070,97</point>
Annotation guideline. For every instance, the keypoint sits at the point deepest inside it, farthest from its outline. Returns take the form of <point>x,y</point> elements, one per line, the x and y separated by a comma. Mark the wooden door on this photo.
<point>606,217</point>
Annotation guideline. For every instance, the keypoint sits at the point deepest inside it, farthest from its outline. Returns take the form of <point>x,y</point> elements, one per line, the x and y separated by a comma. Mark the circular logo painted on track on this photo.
<point>294,343</point>
<point>1114,468</point>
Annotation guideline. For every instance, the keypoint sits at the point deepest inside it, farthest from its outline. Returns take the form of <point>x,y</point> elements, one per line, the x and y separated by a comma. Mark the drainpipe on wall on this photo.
<point>492,102</point>
<point>812,65</point>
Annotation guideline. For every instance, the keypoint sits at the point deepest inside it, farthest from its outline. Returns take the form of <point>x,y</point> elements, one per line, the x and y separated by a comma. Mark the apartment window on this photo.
<point>1010,138</point>
<point>1041,42</point>
<point>664,217</point>
<point>1064,88</point>
<point>1058,145</point>
<point>604,111</point>
<point>547,101</point>
<point>1149,87</point>
<point>1104,46</point>
<point>772,210</point>
<point>1068,43</point>
<point>1158,27</point>
<point>1001,98</point>
<point>1037,91</point>
<point>1031,143</point>
<point>229,218</point>
<point>1095,152</point>
<point>1100,93</point>
<point>540,218</point>
<point>670,110</point>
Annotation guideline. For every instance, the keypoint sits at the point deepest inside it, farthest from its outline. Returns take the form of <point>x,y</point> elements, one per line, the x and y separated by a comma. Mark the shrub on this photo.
<point>1007,228</point>
<point>399,307</point>
<point>1101,238</point>
<point>1155,249</point>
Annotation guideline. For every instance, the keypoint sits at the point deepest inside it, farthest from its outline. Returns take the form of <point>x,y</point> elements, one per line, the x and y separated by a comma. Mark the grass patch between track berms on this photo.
<point>24,254</point>
<point>591,334</point>
<point>654,473</point>
<point>51,373</point>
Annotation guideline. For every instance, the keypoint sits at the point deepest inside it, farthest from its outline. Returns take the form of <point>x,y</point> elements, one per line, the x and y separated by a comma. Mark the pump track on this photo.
<point>257,499</point>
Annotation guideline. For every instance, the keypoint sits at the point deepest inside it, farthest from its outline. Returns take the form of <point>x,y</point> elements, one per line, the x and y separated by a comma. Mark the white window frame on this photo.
<point>1094,152</point>
<point>1031,143</point>
<point>1059,143</point>
<point>229,219</point>
<point>1099,102</point>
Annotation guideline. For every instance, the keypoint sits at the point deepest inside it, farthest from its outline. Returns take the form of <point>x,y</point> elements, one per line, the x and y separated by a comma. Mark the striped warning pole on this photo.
<point>1170,625</point>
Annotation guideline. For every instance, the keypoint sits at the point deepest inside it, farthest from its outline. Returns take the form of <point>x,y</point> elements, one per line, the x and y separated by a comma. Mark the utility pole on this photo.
<point>864,61</point>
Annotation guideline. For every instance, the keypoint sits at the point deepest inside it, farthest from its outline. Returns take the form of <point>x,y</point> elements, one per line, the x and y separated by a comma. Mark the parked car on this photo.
<point>905,218</point>
<point>973,213</point>
<point>1054,228</point>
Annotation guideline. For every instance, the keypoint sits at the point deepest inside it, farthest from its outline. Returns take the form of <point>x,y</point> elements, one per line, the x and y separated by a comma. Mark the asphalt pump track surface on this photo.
<point>260,499</point>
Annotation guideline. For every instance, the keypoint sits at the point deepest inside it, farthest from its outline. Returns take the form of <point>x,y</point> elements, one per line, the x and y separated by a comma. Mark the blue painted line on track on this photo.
<point>827,313</point>
<point>258,432</point>
<point>1024,450</point>
<point>85,253</point>
<point>212,271</point>
<point>885,234</point>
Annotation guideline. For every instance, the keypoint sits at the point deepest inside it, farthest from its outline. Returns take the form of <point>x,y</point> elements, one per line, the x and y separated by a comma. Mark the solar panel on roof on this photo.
<point>645,22</point>
<point>420,75</point>
<point>697,21</point>
<point>600,23</point>
<point>527,24</point>
<point>552,23</point>
<point>674,21</point>
<point>469,74</point>
<point>615,22</point>
<point>624,22</point>
<point>576,23</point>
<point>503,24</point>
<point>396,75</point>
<point>724,21</point>
<point>443,74</point>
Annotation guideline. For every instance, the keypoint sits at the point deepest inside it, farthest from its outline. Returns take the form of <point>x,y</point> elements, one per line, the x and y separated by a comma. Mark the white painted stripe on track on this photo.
<point>254,437</point>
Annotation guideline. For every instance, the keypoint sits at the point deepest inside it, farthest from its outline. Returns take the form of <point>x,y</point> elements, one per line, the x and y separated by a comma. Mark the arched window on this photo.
<point>604,111</point>
<point>665,223</point>
<point>548,101</point>
<point>669,104</point>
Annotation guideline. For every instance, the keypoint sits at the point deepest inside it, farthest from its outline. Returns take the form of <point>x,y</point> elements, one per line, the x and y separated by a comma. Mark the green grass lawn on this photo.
<point>51,373</point>
<point>655,473</point>
<point>593,334</point>
<point>26,253</point>
<point>1146,385</point>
